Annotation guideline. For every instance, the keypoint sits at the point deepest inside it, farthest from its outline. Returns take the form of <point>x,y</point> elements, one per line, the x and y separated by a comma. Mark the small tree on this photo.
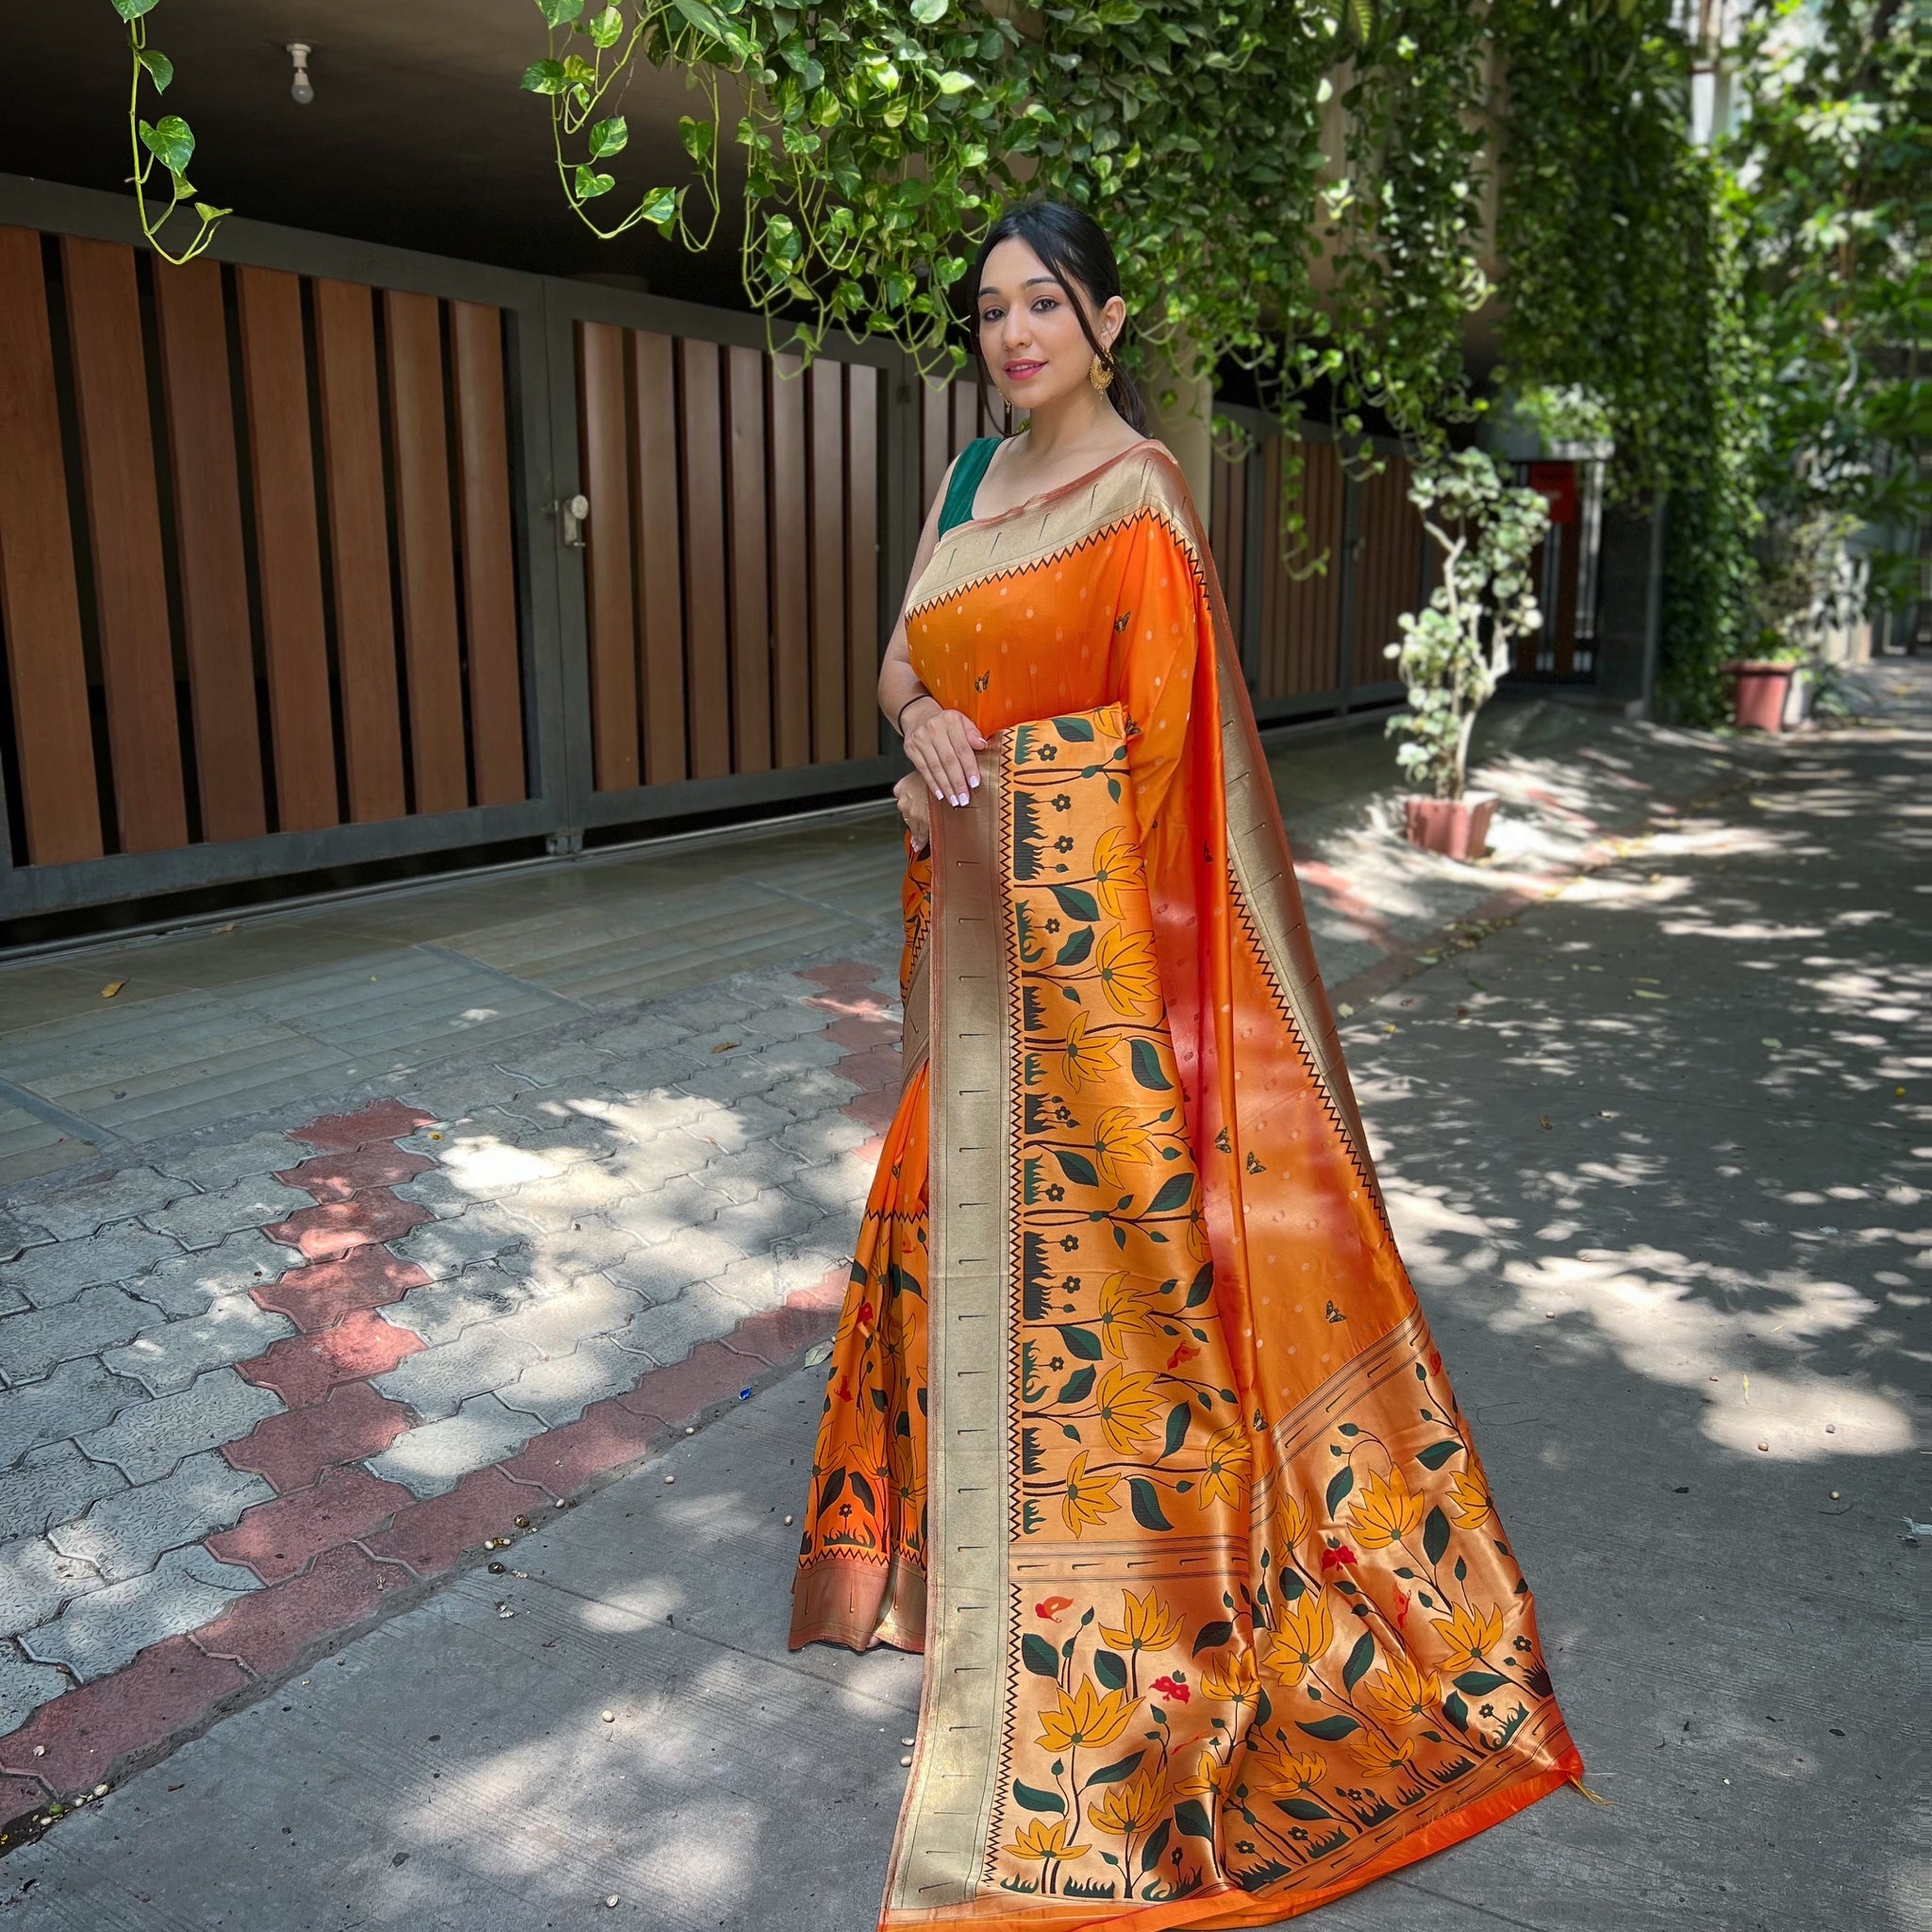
<point>1453,653</point>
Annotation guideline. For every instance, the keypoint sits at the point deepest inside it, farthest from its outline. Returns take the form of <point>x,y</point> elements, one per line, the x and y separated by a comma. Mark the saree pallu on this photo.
<point>1133,1421</point>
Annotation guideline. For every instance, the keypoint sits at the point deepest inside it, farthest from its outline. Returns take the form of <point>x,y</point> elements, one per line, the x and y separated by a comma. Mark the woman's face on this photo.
<point>1030,336</point>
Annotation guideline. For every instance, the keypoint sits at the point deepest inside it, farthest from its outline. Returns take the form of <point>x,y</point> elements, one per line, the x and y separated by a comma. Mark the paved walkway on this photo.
<point>336,1289</point>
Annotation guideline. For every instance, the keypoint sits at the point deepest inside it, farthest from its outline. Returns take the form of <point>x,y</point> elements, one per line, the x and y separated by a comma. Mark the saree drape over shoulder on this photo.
<point>1133,1421</point>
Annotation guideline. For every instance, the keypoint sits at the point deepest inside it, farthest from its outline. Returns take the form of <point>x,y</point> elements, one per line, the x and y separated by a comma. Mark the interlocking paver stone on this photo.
<point>440,1312</point>
<point>109,1628</point>
<point>77,1396</point>
<point>36,1579</point>
<point>668,1333</point>
<point>189,1285</point>
<point>555,1323</point>
<point>441,1248</point>
<point>18,1233</point>
<point>584,1190</point>
<point>80,1208</point>
<point>204,1221</point>
<point>440,1380</point>
<point>438,1456</point>
<point>674,1251</point>
<point>148,1439</point>
<point>126,1535</point>
<point>50,1275</point>
<point>24,1687</point>
<point>98,1318</point>
<point>559,1389</point>
<point>217,1163</point>
<point>50,1486</point>
<point>165,1359</point>
<point>585,1248</point>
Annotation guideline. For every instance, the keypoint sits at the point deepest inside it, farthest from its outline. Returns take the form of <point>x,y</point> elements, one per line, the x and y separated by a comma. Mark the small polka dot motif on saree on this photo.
<point>1133,1421</point>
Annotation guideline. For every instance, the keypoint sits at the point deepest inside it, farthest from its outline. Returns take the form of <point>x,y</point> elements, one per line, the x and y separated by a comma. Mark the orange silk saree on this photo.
<point>1133,1421</point>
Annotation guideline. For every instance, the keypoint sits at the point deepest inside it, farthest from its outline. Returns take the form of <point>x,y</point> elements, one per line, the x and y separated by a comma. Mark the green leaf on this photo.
<point>160,70</point>
<point>1437,1453</point>
<point>1079,1385</point>
<point>1435,1534</point>
<point>1082,1342</point>
<point>1038,1801</point>
<point>1075,730</point>
<point>1479,1683</point>
<point>560,12</point>
<point>169,141</point>
<point>609,137</point>
<point>1038,1655</point>
<point>606,29</point>
<point>1192,1818</point>
<point>1174,1192</point>
<point>954,82</point>
<point>1456,1712</point>
<point>209,213</point>
<point>1076,1167</point>
<point>926,12</point>
<point>1156,1843</point>
<point>1146,1503</point>
<point>1120,1768</point>
<point>1178,1418</point>
<point>544,78</point>
<point>1302,1808</point>
<point>1075,902</point>
<point>1079,944</point>
<point>1340,1484</point>
<point>1331,1730</point>
<point>1145,1059</point>
<point>661,206</point>
<point>133,10</point>
<point>1212,1636</point>
<point>590,185</point>
<point>1110,1670</point>
<point>1359,1659</point>
<point>1200,1287</point>
<point>698,137</point>
<point>701,17</point>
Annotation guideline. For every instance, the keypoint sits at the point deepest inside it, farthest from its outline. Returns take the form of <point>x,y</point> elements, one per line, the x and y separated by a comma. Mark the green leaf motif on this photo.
<point>1331,1730</point>
<point>1145,1059</point>
<point>1479,1683</point>
<point>1177,1420</point>
<point>1123,1767</point>
<point>609,137</point>
<point>1156,1843</point>
<point>1191,1817</point>
<point>1339,1485</point>
<point>1076,1167</point>
<point>1201,1287</point>
<point>1075,902</point>
<point>1079,1385</point>
<point>1038,1655</point>
<point>1437,1453</point>
<point>1146,1503</point>
<point>1110,1670</point>
<point>1082,1342</point>
<point>1074,731</point>
<point>1212,1636</point>
<point>1435,1534</point>
<point>1359,1659</point>
<point>1175,1192</point>
<point>1078,946</point>
<point>1305,1809</point>
<point>1456,1712</point>
<point>1050,1802</point>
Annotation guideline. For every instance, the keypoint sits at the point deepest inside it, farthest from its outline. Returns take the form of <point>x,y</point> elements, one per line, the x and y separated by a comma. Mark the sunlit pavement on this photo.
<point>1644,1137</point>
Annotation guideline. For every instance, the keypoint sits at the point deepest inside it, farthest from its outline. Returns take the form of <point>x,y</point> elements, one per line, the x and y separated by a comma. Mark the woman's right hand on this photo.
<point>942,746</point>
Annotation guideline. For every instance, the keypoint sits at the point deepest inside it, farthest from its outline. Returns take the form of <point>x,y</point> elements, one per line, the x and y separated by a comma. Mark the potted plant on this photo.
<point>1761,691</point>
<point>1453,652</point>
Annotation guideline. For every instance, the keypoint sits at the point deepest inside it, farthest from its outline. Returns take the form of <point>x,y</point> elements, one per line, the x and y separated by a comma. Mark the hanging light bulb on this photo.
<point>301,90</point>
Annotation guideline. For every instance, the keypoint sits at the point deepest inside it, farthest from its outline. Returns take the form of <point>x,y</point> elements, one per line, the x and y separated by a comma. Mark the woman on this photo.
<point>1133,1423</point>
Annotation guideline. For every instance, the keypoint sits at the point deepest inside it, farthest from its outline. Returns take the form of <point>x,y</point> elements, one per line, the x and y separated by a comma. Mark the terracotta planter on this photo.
<point>1761,694</point>
<point>1456,828</point>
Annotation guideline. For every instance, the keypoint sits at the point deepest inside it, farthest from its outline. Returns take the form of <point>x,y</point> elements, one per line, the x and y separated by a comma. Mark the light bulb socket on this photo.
<point>301,90</point>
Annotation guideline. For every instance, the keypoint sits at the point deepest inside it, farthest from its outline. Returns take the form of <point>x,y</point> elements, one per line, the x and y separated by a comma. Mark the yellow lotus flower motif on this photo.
<point>1129,975</point>
<point>1118,1137</point>
<point>1272,1765</point>
<point>1231,1679</point>
<point>1402,1693</point>
<point>1470,1637</point>
<point>1470,1502</point>
<point>1384,1512</point>
<point>1126,1308</point>
<point>1116,869</point>
<point>1085,1720</point>
<point>1128,1406</point>
<point>1225,1479</point>
<point>1088,1498</point>
<point>1046,1842</point>
<point>1305,1635</point>
<point>1291,1521</point>
<point>1373,1755</point>
<point>1146,1623</point>
<point>1084,1061</point>
<point>1133,1805</point>
<point>1210,1777</point>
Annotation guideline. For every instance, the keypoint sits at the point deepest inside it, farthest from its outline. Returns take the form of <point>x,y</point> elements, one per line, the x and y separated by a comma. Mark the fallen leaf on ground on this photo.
<point>112,987</point>
<point>817,1353</point>
<point>1543,1121</point>
<point>725,1046</point>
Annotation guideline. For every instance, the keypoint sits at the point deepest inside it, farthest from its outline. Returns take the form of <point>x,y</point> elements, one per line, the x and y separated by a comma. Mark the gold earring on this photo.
<point>1100,374</point>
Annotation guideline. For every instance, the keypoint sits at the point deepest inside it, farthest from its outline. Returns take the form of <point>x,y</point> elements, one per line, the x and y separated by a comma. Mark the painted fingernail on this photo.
<point>974,781</point>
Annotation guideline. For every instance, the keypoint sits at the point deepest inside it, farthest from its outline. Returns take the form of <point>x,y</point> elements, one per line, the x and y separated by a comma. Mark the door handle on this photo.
<point>572,515</point>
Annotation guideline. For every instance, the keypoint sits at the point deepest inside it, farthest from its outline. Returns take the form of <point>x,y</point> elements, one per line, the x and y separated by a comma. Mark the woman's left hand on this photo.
<point>915,807</point>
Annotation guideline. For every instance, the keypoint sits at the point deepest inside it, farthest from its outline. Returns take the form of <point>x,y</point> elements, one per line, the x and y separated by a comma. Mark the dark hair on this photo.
<point>1077,253</point>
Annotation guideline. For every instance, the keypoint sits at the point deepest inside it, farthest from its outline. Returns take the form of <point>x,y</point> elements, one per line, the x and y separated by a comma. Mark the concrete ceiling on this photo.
<point>418,135</point>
